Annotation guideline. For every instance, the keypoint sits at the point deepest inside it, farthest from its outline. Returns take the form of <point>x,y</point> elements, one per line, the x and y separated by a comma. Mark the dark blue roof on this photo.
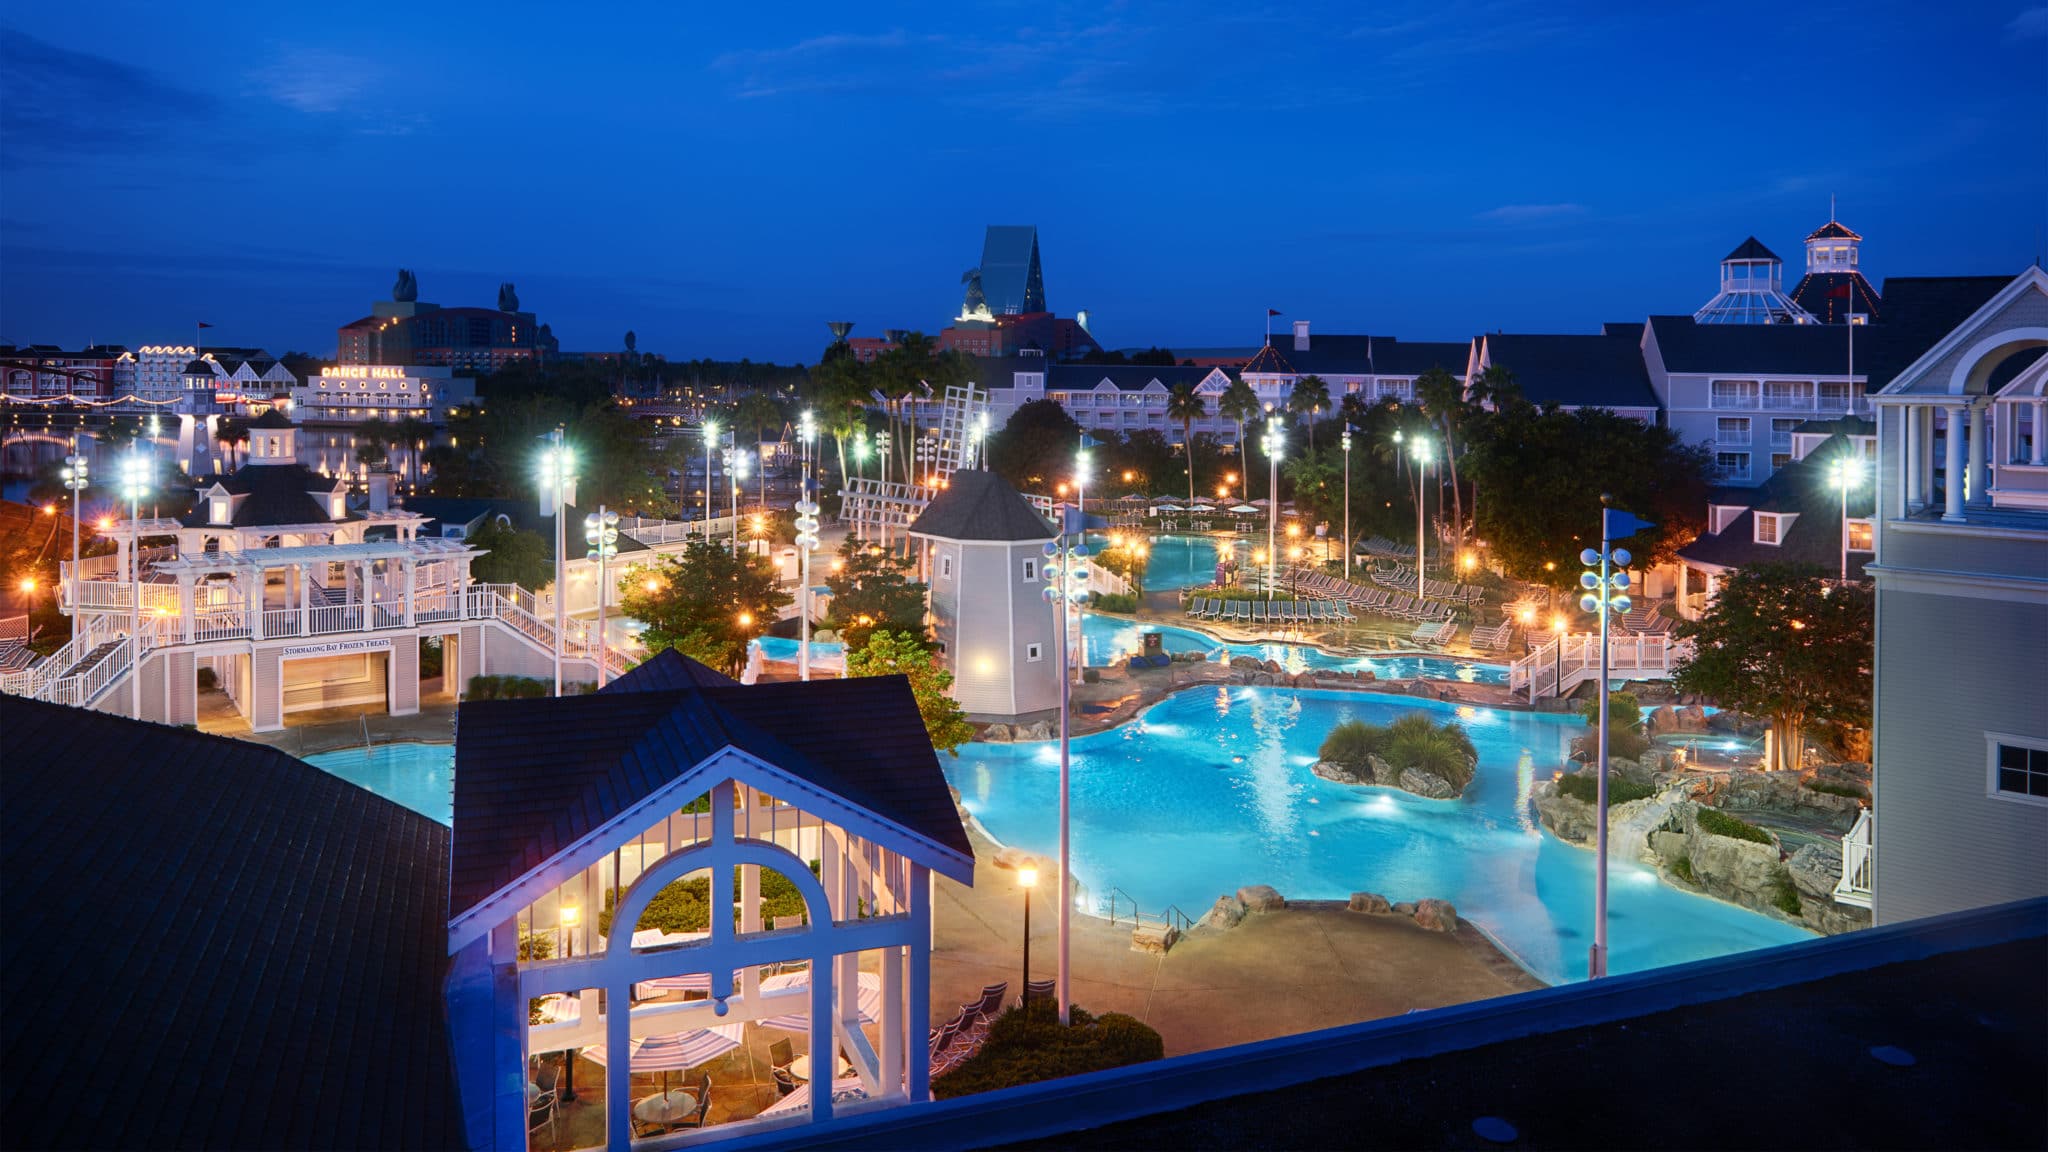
<point>1794,349</point>
<point>532,777</point>
<point>1814,537</point>
<point>1604,371</point>
<point>1337,354</point>
<point>211,944</point>
<point>1126,377</point>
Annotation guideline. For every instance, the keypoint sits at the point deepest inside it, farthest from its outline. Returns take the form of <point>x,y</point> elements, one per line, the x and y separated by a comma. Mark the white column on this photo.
<point>1910,449</point>
<point>1923,477</point>
<point>255,602</point>
<point>185,606</point>
<point>1952,505</point>
<point>305,599</point>
<point>2039,455</point>
<point>919,894</point>
<point>1980,455</point>
<point>411,578</point>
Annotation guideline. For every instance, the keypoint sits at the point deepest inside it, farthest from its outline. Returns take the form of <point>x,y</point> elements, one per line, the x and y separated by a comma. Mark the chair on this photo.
<point>541,1111</point>
<point>781,1054</point>
<point>1038,990</point>
<point>703,1105</point>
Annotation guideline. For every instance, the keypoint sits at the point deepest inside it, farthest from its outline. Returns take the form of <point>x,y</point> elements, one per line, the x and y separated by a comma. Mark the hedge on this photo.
<point>1833,789</point>
<point>1620,789</point>
<point>1026,1046</point>
<point>1721,824</point>
<point>685,905</point>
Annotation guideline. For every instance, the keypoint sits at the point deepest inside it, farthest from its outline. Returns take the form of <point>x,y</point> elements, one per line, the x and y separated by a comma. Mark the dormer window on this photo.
<point>220,510</point>
<point>1772,526</point>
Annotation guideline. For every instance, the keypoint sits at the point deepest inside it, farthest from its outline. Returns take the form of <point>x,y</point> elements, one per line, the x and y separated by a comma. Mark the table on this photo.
<point>671,1107</point>
<point>801,1067</point>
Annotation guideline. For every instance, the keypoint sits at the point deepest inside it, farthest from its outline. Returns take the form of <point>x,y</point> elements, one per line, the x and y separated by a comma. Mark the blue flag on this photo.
<point>1616,524</point>
<point>1073,521</point>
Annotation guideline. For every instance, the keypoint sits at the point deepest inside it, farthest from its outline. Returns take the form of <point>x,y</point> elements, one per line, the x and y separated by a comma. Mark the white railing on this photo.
<point>1859,858</point>
<point>336,618</point>
<point>1564,663</point>
<point>1101,581</point>
<point>233,626</point>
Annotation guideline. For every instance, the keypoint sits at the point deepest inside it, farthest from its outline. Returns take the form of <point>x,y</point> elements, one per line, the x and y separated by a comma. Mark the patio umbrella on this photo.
<point>678,1050</point>
<point>1168,508</point>
<point>869,999</point>
<point>1244,509</point>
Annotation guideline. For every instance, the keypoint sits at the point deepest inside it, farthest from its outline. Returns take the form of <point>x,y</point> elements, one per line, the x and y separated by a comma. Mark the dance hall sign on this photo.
<point>338,648</point>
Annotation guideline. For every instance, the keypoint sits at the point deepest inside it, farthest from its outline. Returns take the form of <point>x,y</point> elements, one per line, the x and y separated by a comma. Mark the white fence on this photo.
<point>1569,660</point>
<point>1859,863</point>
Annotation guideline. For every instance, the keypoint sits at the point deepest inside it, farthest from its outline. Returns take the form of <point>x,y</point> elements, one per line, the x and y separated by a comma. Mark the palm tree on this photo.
<point>758,409</point>
<point>1239,404</point>
<point>1494,388</point>
<point>1444,398</point>
<point>1185,405</point>
<point>230,433</point>
<point>1309,396</point>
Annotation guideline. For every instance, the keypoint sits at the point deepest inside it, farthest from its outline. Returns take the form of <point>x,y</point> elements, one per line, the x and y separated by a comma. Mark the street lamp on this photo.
<point>1847,473</point>
<point>1421,451</point>
<point>601,530</point>
<point>557,476</point>
<point>1557,664</point>
<point>1066,582</point>
<point>1275,443</point>
<point>1027,879</point>
<point>981,441</point>
<point>1347,501</point>
<point>735,475</point>
<point>77,477</point>
<point>1528,622</point>
<point>710,435</point>
<point>134,485</point>
<point>1606,594</point>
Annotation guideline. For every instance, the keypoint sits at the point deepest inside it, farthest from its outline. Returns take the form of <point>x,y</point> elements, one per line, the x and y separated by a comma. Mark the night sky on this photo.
<point>727,178</point>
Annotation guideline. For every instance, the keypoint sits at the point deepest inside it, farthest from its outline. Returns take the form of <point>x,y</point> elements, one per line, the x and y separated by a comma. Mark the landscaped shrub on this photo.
<point>685,905</point>
<point>1625,739</point>
<point>1413,741</point>
<point>1784,893</point>
<point>1831,788</point>
<point>506,688</point>
<point>208,680</point>
<point>1721,824</point>
<point>1351,743</point>
<point>1026,1046</point>
<point>1682,868</point>
<point>1112,602</point>
<point>1583,786</point>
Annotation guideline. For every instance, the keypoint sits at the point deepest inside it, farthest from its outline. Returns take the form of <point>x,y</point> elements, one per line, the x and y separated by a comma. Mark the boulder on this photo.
<point>1154,938</point>
<point>1405,908</point>
<point>1248,663</point>
<point>1568,819</point>
<point>1339,773</point>
<point>1368,902</point>
<point>1265,678</point>
<point>996,734</point>
<point>1427,784</point>
<point>1261,898</point>
<point>1668,847</point>
<point>1039,730</point>
<point>1366,674</point>
<point>1273,666</point>
<point>1304,680</point>
<point>1383,774</point>
<point>1422,688</point>
<point>1436,915</point>
<point>1815,868</point>
<point>1225,913</point>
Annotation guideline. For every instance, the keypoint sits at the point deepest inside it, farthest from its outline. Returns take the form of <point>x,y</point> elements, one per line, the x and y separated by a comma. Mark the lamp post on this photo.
<point>77,476</point>
<point>1347,501</point>
<point>1606,593</point>
<point>601,530</point>
<point>557,474</point>
<point>1557,663</point>
<point>1846,473</point>
<point>1275,443</point>
<point>134,483</point>
<point>570,916</point>
<point>735,475</point>
<point>1027,879</point>
<point>1066,582</point>
<point>981,441</point>
<point>860,453</point>
<point>806,543</point>
<point>710,435</point>
<point>1420,450</point>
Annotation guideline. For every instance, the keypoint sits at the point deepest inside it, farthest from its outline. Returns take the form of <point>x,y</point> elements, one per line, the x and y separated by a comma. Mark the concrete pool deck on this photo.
<point>1275,974</point>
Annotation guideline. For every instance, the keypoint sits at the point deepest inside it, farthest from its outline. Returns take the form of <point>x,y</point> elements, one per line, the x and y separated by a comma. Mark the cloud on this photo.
<point>65,104</point>
<point>1531,213</point>
<point>2029,24</point>
<point>316,82</point>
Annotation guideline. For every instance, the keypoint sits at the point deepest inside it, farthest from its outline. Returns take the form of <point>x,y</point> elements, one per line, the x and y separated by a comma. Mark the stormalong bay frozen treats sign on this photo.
<point>338,648</point>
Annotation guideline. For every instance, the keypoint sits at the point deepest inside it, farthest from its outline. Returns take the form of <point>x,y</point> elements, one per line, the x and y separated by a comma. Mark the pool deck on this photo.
<point>1275,974</point>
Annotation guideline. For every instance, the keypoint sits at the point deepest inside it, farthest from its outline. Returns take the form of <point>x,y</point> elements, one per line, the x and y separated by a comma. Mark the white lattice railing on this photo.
<point>1859,860</point>
<point>1565,662</point>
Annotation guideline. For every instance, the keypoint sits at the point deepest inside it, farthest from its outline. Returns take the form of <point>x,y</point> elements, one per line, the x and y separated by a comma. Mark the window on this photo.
<point>2019,768</point>
<point>1732,465</point>
<point>1788,394</point>
<point>1779,460</point>
<point>1781,431</point>
<point>1766,528</point>
<point>1034,652</point>
<point>1834,395</point>
<point>222,511</point>
<point>946,567</point>
<point>1733,394</point>
<point>1732,430</point>
<point>1860,536</point>
<point>1031,571</point>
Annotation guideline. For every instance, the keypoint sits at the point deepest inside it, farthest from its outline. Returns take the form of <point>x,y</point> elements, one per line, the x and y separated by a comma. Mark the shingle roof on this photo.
<point>272,418</point>
<point>1604,371</point>
<point>1820,294</point>
<point>198,368</point>
<point>276,494</point>
<point>667,671</point>
<point>211,944</point>
<point>1832,230</point>
<point>532,777</point>
<point>1815,537</point>
<point>1126,377</point>
<point>981,506</point>
<point>1342,354</point>
<point>1802,349</point>
<point>1919,311</point>
<point>1751,249</point>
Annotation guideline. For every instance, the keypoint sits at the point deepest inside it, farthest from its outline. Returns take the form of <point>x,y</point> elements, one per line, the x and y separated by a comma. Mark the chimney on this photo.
<point>1301,335</point>
<point>380,491</point>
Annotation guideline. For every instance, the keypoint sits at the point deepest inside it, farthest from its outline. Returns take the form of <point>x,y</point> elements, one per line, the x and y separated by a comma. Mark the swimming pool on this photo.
<point>419,776</point>
<point>1107,639</point>
<point>1175,562</point>
<point>1210,790</point>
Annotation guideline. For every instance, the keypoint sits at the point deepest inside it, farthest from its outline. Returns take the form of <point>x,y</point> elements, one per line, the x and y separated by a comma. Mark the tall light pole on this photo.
<point>1606,595</point>
<point>710,435</point>
<point>1275,442</point>
<point>1066,582</point>
<point>77,477</point>
<point>981,441</point>
<point>735,475</point>
<point>806,541</point>
<point>1421,451</point>
<point>1846,473</point>
<point>1347,501</point>
<point>134,484</point>
<point>1027,879</point>
<point>601,529</point>
<point>1080,528</point>
<point>557,475</point>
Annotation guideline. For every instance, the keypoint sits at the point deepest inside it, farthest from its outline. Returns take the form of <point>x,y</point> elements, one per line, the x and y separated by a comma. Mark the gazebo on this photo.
<point>573,815</point>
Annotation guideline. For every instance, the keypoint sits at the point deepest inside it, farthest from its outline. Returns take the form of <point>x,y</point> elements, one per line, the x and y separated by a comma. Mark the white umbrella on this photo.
<point>678,1050</point>
<point>1168,508</point>
<point>869,999</point>
<point>1244,509</point>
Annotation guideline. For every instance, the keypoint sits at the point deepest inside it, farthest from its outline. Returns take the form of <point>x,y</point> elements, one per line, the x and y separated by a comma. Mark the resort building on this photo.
<point>1109,397</point>
<point>403,331</point>
<point>1574,371</point>
<point>351,393</point>
<point>1752,290</point>
<point>1960,778</point>
<point>1833,291</point>
<point>1002,308</point>
<point>1742,389</point>
<point>984,555</point>
<point>1378,369</point>
<point>47,373</point>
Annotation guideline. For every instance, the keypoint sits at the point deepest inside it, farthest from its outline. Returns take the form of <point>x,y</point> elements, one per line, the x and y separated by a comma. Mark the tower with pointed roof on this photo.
<point>1752,290</point>
<point>1833,289</point>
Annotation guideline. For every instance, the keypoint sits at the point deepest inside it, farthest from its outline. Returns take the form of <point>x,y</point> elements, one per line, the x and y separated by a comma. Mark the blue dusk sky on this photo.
<point>727,178</point>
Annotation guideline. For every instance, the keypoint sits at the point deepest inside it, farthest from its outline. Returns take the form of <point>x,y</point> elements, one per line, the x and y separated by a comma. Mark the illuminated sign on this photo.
<point>364,371</point>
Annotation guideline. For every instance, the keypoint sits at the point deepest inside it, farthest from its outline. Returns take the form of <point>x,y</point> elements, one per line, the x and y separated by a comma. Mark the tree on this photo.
<point>759,411</point>
<point>511,556</point>
<point>871,590</point>
<point>902,654</point>
<point>706,603</point>
<point>1185,405</point>
<point>1625,739</point>
<point>1237,405</point>
<point>1444,399</point>
<point>1309,397</point>
<point>1782,641</point>
<point>1317,477</point>
<point>1036,448</point>
<point>231,433</point>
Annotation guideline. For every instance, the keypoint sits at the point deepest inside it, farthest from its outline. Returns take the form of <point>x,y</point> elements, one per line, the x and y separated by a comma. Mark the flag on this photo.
<point>204,324</point>
<point>1840,291</point>
<point>1616,524</point>
<point>1272,312</point>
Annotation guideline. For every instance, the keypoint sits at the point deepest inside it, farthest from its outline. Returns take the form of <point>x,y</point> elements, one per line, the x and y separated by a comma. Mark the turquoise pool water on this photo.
<point>419,776</point>
<point>1175,562</point>
<point>1210,790</point>
<point>1107,639</point>
<point>781,648</point>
